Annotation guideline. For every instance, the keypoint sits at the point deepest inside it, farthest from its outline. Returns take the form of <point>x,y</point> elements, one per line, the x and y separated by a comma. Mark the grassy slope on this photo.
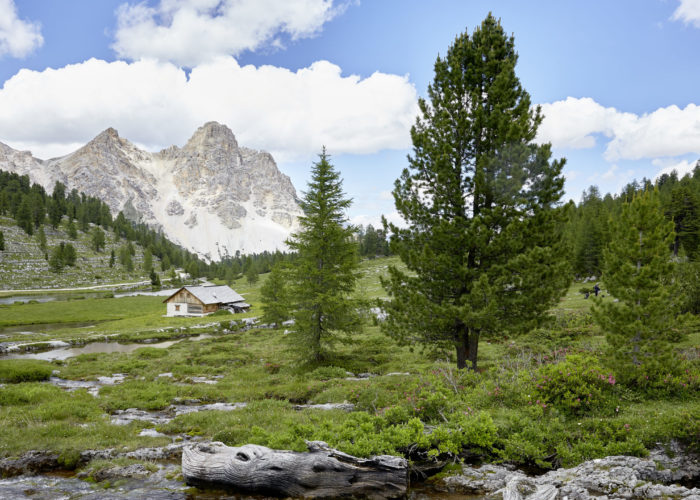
<point>23,266</point>
<point>257,368</point>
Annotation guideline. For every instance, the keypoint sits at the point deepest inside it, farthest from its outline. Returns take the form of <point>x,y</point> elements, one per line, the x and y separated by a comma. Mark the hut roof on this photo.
<point>220,294</point>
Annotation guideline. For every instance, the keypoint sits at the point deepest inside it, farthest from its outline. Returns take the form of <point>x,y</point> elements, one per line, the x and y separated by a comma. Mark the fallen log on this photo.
<point>322,472</point>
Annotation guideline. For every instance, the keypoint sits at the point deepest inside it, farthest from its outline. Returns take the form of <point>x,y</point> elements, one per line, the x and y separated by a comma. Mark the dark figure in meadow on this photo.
<point>596,289</point>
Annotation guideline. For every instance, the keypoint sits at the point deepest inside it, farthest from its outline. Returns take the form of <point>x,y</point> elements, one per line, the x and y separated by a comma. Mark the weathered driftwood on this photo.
<point>322,472</point>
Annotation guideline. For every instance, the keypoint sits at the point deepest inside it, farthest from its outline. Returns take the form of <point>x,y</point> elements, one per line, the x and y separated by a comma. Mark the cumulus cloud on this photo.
<point>155,104</point>
<point>689,12</point>
<point>681,167</point>
<point>18,38</point>
<point>669,131</point>
<point>189,32</point>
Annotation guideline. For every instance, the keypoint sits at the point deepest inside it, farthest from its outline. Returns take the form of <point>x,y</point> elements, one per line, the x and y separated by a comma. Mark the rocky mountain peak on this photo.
<point>212,135</point>
<point>211,196</point>
<point>108,135</point>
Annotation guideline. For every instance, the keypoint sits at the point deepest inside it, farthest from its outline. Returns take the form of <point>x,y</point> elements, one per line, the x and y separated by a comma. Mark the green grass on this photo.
<point>14,371</point>
<point>492,413</point>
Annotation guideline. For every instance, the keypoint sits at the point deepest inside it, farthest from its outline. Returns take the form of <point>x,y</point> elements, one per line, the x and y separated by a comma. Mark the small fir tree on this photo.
<point>251,275</point>
<point>41,237</point>
<point>2,241</point>
<point>56,262</point>
<point>55,213</point>
<point>98,239</point>
<point>155,279</point>
<point>112,258</point>
<point>275,297</point>
<point>637,271</point>
<point>72,230</point>
<point>324,274</point>
<point>147,260</point>
<point>165,263</point>
<point>24,216</point>
<point>69,254</point>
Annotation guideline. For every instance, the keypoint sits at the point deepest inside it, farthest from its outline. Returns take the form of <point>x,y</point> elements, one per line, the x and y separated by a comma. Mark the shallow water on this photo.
<point>160,293</point>
<point>95,347</point>
<point>27,298</point>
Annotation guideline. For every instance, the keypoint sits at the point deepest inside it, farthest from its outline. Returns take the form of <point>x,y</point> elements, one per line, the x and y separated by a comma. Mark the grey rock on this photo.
<point>31,461</point>
<point>616,477</point>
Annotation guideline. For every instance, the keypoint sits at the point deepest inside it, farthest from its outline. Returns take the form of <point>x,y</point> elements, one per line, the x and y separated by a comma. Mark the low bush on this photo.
<point>576,386</point>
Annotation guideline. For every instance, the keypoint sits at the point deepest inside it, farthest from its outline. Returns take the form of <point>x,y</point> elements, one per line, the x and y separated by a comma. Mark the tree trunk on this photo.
<point>462,346</point>
<point>473,347</point>
<point>323,472</point>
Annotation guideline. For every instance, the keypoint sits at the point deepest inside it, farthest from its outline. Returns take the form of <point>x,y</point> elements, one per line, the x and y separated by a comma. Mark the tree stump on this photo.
<point>322,472</point>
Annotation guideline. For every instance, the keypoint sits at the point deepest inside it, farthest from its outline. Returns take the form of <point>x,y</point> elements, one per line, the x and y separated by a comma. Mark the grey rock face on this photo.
<point>211,196</point>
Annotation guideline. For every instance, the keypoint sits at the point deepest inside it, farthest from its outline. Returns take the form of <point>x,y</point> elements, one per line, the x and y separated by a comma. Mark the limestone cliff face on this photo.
<point>211,196</point>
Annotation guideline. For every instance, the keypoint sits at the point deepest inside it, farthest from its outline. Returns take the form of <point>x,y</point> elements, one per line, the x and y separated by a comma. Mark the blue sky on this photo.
<point>618,80</point>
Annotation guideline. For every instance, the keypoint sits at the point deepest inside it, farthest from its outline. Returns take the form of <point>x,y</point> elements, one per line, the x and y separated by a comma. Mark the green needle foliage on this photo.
<point>480,202</point>
<point>323,276</point>
<point>638,270</point>
<point>274,294</point>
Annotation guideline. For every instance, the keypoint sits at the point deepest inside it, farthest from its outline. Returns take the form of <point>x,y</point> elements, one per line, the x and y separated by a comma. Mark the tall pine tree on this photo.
<point>479,199</point>
<point>325,272</point>
<point>637,272</point>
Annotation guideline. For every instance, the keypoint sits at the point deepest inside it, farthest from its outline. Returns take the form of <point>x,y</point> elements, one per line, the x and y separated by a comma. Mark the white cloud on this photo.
<point>689,12</point>
<point>573,123</point>
<point>189,32</point>
<point>681,167</point>
<point>610,173</point>
<point>375,220</point>
<point>291,114</point>
<point>18,38</point>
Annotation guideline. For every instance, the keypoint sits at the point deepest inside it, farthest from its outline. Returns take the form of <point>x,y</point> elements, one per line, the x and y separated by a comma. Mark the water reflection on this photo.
<point>95,347</point>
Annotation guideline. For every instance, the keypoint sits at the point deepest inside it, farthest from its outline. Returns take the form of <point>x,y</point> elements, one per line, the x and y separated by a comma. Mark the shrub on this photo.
<point>328,372</point>
<point>574,386</point>
<point>24,370</point>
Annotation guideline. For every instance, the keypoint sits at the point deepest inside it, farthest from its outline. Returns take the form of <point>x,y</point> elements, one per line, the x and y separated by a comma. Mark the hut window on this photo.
<point>177,307</point>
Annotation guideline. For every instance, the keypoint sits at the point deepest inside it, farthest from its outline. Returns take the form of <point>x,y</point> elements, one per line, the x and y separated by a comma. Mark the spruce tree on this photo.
<point>147,260</point>
<point>70,255</point>
<point>72,230</point>
<point>637,272</point>
<point>323,276</point>
<point>480,204</point>
<point>56,261</point>
<point>24,216</point>
<point>98,239</point>
<point>2,242</point>
<point>155,279</point>
<point>165,263</point>
<point>251,274</point>
<point>41,237</point>
<point>274,294</point>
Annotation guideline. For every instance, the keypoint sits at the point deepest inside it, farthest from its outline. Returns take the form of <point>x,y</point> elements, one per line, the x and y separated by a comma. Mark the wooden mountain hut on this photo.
<point>203,300</point>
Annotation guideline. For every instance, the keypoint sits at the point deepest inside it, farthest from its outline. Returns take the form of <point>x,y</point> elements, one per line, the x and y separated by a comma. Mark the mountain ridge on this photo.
<point>211,195</point>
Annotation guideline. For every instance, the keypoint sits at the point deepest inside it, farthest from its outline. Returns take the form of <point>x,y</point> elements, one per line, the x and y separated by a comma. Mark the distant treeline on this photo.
<point>588,227</point>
